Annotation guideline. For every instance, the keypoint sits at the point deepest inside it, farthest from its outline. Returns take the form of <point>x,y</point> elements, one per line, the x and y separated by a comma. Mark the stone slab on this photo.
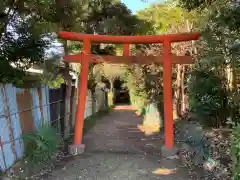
<point>168,152</point>
<point>76,149</point>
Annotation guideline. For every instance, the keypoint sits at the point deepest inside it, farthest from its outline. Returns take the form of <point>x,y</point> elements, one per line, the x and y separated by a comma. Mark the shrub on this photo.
<point>138,99</point>
<point>145,86</point>
<point>134,83</point>
<point>234,107</point>
<point>207,97</point>
<point>235,152</point>
<point>41,144</point>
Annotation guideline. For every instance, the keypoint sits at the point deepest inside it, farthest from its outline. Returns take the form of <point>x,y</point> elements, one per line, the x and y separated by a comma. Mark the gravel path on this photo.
<point>117,150</point>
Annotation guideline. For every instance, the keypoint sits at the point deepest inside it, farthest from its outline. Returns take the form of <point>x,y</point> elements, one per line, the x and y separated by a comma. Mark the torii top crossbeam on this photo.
<point>129,39</point>
<point>167,59</point>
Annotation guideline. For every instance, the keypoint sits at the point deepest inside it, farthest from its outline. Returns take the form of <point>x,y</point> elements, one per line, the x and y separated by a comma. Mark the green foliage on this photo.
<point>22,44</point>
<point>52,82</point>
<point>92,82</point>
<point>165,18</point>
<point>52,72</point>
<point>98,72</point>
<point>212,92</point>
<point>26,28</point>
<point>145,86</point>
<point>113,17</point>
<point>18,55</point>
<point>135,85</point>
<point>111,71</point>
<point>29,80</point>
<point>208,97</point>
<point>42,144</point>
<point>234,106</point>
<point>193,4</point>
<point>209,85</point>
<point>226,12</point>
<point>154,85</point>
<point>235,152</point>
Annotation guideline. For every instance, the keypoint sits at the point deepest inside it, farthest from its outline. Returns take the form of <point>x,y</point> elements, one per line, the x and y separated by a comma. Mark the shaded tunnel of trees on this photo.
<point>121,95</point>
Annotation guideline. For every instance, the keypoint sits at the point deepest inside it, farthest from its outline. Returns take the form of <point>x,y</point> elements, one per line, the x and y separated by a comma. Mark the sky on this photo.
<point>136,5</point>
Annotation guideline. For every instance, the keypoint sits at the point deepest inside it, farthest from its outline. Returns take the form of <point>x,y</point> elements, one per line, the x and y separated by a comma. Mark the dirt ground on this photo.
<point>116,149</point>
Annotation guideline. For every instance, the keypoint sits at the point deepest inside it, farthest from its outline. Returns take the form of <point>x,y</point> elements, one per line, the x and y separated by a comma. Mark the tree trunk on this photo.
<point>183,104</point>
<point>93,102</point>
<point>68,81</point>
<point>233,74</point>
<point>178,91</point>
<point>111,93</point>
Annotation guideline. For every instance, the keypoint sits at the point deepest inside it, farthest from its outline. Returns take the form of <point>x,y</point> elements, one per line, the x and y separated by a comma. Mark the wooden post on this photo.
<point>167,91</point>
<point>82,93</point>
<point>126,50</point>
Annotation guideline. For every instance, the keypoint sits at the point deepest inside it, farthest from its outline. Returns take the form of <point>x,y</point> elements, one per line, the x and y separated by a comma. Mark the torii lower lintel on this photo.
<point>167,59</point>
<point>77,58</point>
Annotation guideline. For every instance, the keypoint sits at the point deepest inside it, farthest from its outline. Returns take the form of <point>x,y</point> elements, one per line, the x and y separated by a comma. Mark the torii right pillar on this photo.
<point>167,91</point>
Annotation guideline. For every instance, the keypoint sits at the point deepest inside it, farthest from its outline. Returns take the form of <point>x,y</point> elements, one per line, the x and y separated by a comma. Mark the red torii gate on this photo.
<point>167,59</point>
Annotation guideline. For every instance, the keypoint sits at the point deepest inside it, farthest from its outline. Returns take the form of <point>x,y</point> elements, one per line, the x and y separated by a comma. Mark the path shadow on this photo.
<point>126,130</point>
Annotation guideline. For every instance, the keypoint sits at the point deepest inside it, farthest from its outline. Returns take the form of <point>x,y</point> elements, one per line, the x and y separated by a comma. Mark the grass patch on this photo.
<point>90,121</point>
<point>41,145</point>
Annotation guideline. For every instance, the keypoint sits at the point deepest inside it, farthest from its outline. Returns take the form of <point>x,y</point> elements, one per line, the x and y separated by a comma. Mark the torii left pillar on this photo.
<point>77,147</point>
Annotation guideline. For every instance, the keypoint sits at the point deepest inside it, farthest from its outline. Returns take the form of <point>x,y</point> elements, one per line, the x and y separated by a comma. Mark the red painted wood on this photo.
<point>167,92</point>
<point>167,61</point>
<point>130,59</point>
<point>129,39</point>
<point>82,93</point>
<point>126,50</point>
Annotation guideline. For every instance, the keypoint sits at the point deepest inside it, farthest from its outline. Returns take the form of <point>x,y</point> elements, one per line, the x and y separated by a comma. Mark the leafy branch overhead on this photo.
<point>27,28</point>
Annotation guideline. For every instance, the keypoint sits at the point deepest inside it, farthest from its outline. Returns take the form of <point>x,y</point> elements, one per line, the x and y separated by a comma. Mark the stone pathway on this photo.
<point>117,150</point>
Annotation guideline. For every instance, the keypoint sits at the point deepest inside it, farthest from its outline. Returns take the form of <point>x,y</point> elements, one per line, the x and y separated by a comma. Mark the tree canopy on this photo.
<point>27,28</point>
